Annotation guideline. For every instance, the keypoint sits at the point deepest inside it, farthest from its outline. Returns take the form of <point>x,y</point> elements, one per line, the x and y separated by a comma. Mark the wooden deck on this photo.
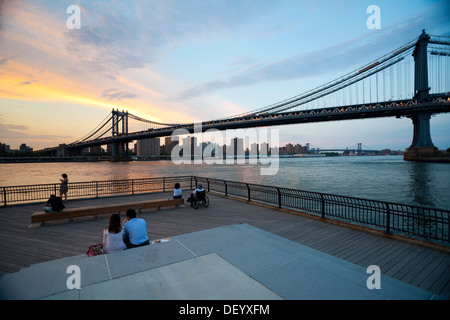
<point>421,266</point>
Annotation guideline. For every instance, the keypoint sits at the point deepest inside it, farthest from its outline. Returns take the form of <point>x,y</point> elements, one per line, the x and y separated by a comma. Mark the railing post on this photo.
<point>279,197</point>
<point>226,188</point>
<point>196,183</point>
<point>322,198</point>
<point>132,187</point>
<point>388,218</point>
<point>4,195</point>
<point>207,181</point>
<point>96,189</point>
<point>164,184</point>
<point>248,192</point>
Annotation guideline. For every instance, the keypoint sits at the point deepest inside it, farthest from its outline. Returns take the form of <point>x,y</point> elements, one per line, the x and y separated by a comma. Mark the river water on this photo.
<point>385,178</point>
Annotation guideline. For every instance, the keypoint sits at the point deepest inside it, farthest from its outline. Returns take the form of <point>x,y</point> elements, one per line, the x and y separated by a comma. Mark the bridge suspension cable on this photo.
<point>130,115</point>
<point>101,125</point>
<point>102,129</point>
<point>368,70</point>
<point>102,134</point>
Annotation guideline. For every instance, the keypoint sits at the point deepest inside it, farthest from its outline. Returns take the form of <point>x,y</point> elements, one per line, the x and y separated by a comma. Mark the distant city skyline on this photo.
<point>144,144</point>
<point>177,61</point>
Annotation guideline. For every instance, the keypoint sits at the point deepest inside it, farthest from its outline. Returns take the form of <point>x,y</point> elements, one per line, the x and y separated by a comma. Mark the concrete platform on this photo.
<point>234,262</point>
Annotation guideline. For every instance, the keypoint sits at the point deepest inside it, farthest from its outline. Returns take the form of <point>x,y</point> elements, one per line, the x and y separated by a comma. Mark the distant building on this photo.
<point>148,147</point>
<point>289,148</point>
<point>2,150</point>
<point>95,150</point>
<point>238,146</point>
<point>264,148</point>
<point>168,145</point>
<point>254,149</point>
<point>24,148</point>
<point>190,143</point>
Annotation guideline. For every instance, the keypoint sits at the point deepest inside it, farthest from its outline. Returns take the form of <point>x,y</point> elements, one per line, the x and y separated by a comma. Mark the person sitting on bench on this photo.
<point>135,230</point>
<point>177,192</point>
<point>54,204</point>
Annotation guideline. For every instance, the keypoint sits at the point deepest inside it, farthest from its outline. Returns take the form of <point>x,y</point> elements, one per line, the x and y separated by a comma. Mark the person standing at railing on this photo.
<point>64,187</point>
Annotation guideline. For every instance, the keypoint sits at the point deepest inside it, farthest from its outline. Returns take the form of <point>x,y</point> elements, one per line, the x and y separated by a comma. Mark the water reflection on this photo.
<point>420,179</point>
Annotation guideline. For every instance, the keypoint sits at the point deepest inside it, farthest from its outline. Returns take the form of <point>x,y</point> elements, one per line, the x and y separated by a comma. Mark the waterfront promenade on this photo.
<point>414,266</point>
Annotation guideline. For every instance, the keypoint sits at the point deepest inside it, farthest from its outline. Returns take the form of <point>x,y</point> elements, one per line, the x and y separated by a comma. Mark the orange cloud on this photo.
<point>24,82</point>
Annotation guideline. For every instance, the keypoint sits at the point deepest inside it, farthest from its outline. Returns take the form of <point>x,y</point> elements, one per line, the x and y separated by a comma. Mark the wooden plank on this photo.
<point>162,203</point>
<point>22,247</point>
<point>443,284</point>
<point>43,216</point>
<point>425,276</point>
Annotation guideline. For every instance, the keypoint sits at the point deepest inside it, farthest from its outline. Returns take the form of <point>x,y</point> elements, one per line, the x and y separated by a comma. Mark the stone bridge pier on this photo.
<point>422,147</point>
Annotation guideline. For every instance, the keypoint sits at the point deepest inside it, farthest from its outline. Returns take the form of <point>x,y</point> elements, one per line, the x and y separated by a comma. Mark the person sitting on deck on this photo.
<point>135,230</point>
<point>54,204</point>
<point>113,235</point>
<point>199,188</point>
<point>177,192</point>
<point>191,199</point>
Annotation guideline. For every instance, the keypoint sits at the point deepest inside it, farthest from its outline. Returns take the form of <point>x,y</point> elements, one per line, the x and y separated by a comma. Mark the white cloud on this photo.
<point>116,37</point>
<point>115,94</point>
<point>341,57</point>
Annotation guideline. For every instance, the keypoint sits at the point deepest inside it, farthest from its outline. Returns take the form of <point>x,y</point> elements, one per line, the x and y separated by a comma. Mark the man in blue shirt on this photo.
<point>135,230</point>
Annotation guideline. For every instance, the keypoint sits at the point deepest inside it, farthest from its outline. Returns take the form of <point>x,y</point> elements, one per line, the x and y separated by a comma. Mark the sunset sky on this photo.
<point>194,60</point>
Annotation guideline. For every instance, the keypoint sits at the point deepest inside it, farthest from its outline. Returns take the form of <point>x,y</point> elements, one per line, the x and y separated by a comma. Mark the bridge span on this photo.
<point>366,93</point>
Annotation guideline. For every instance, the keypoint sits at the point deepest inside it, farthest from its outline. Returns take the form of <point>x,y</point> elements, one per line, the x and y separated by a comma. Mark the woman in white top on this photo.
<point>113,235</point>
<point>177,193</point>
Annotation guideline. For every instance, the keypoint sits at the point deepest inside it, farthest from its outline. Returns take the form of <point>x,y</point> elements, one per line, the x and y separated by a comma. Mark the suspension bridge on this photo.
<point>412,81</point>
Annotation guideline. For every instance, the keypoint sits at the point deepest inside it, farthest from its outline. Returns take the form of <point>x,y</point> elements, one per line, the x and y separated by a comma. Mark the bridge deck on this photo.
<point>420,266</point>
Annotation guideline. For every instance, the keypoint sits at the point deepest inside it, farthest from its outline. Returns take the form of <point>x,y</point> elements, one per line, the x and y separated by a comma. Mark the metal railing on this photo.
<point>92,189</point>
<point>415,221</point>
<point>410,220</point>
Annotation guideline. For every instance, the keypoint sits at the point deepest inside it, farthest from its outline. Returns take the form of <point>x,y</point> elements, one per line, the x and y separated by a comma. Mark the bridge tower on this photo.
<point>422,147</point>
<point>119,150</point>
<point>359,151</point>
<point>421,89</point>
<point>117,117</point>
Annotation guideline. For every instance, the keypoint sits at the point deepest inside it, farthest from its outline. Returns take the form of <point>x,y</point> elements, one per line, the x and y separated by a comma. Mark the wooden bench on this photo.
<point>70,213</point>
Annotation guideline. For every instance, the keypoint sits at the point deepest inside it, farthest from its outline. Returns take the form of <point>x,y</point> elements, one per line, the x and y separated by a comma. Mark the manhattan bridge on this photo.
<point>412,81</point>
